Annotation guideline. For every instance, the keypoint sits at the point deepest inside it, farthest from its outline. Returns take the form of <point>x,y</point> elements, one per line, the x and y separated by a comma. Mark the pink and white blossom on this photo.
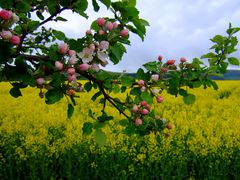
<point>160,99</point>
<point>103,45</point>
<point>15,18</point>
<point>183,60</point>
<point>155,77</point>
<point>86,55</point>
<point>170,62</point>
<point>144,112</point>
<point>135,108</point>
<point>155,91</point>
<point>95,67</point>
<point>124,32</point>
<point>102,56</point>
<point>140,83</point>
<point>6,35</point>
<point>109,26</point>
<point>100,21</point>
<point>72,60</point>
<point>115,25</point>
<point>72,53</point>
<point>71,77</point>
<point>71,71</point>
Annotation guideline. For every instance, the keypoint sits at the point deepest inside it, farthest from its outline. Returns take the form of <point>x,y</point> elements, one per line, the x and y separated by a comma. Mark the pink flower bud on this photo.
<point>160,58</point>
<point>59,65</point>
<point>164,70</point>
<point>73,60</point>
<point>155,77</point>
<point>41,81</point>
<point>92,47</point>
<point>160,99</point>
<point>71,71</point>
<point>169,126</point>
<point>109,26</point>
<point>101,32</point>
<point>143,103</point>
<point>15,40</point>
<point>5,14</point>
<point>63,48</point>
<point>170,62</point>
<point>140,83</point>
<point>115,25</point>
<point>103,45</point>
<point>84,67</point>
<point>100,21</point>
<point>124,32</point>
<point>135,108</point>
<point>72,53</point>
<point>6,35</point>
<point>71,92</point>
<point>138,121</point>
<point>144,112</point>
<point>71,77</point>
<point>183,60</point>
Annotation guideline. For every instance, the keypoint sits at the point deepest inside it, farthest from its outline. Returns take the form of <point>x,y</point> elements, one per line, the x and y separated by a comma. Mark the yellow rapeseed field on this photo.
<point>211,123</point>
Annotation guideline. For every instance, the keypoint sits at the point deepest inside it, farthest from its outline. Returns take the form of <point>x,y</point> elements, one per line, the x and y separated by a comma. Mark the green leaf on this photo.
<point>208,55</point>
<point>59,18</point>
<point>100,137</point>
<point>218,39</point>
<point>135,91</point>
<point>81,6</point>
<point>189,99</point>
<point>130,3</point>
<point>88,86</point>
<point>59,35</point>
<point>115,88</point>
<point>233,61</point>
<point>70,110</point>
<point>147,97</point>
<point>23,6</point>
<point>96,95</point>
<point>39,15</point>
<point>53,95</point>
<point>107,3</point>
<point>15,92</point>
<point>95,5</point>
<point>87,128</point>
<point>116,52</point>
<point>103,75</point>
<point>152,66</point>
<point>124,122</point>
<point>140,74</point>
<point>127,81</point>
<point>5,49</point>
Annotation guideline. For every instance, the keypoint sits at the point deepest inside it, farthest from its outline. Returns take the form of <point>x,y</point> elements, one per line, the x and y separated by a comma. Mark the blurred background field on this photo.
<point>37,141</point>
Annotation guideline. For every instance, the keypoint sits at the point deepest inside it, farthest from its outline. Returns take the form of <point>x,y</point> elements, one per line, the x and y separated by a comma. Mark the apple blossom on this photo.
<point>143,89</point>
<point>140,83</point>
<point>40,81</point>
<point>160,58</point>
<point>148,107</point>
<point>92,47</point>
<point>71,71</point>
<point>109,26</point>
<point>6,35</point>
<point>102,56</point>
<point>84,67</point>
<point>135,108</point>
<point>155,77</point>
<point>95,67</point>
<point>5,14</point>
<point>155,91</point>
<point>72,53</point>
<point>71,92</point>
<point>160,99</point>
<point>124,32</point>
<point>183,60</point>
<point>63,48</point>
<point>59,65</point>
<point>86,55</point>
<point>100,21</point>
<point>144,112</point>
<point>15,40</point>
<point>138,121</point>
<point>169,126</point>
<point>170,62</point>
<point>103,45</point>
<point>73,60</point>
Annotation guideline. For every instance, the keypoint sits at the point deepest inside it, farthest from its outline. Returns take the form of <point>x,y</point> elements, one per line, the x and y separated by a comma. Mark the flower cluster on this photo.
<point>7,19</point>
<point>140,110</point>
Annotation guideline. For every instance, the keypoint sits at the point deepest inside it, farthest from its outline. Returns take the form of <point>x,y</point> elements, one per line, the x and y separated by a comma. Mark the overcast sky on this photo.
<point>178,28</point>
